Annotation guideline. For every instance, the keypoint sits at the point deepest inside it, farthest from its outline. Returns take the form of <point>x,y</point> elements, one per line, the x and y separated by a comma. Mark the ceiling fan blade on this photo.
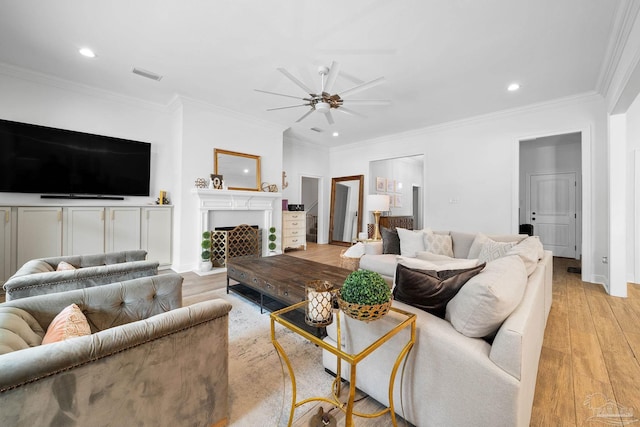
<point>279,94</point>
<point>329,117</point>
<point>368,101</point>
<point>290,106</point>
<point>296,81</point>
<point>361,87</point>
<point>331,77</point>
<point>346,110</point>
<point>305,115</point>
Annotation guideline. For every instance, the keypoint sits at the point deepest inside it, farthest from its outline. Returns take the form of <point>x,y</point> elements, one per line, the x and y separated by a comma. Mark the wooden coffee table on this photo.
<point>280,277</point>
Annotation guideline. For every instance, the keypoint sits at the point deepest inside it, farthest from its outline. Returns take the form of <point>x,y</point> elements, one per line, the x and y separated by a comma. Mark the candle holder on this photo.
<point>319,309</point>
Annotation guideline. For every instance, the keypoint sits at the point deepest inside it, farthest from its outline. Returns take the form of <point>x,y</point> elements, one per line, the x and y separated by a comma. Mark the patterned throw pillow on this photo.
<point>492,250</point>
<point>69,323</point>
<point>440,244</point>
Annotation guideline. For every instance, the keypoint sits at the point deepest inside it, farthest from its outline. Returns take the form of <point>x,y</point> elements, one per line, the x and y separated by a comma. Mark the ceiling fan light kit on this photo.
<point>323,101</point>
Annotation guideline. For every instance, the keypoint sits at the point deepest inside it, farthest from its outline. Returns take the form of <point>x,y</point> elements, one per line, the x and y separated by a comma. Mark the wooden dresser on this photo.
<point>294,230</point>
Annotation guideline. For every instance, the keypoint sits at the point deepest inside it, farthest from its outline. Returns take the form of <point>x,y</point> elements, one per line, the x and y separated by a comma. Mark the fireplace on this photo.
<point>230,208</point>
<point>235,242</point>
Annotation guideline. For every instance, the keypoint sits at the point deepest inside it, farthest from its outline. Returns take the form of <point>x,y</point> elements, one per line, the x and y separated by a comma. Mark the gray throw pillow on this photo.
<point>430,290</point>
<point>390,241</point>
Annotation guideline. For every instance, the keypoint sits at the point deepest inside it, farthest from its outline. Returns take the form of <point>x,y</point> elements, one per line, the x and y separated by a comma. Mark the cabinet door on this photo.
<point>5,244</point>
<point>84,231</point>
<point>123,229</point>
<point>156,234</point>
<point>39,233</point>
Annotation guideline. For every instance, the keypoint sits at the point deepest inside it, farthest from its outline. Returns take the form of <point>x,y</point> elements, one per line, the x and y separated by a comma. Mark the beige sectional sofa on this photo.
<point>41,276</point>
<point>147,361</point>
<point>455,375</point>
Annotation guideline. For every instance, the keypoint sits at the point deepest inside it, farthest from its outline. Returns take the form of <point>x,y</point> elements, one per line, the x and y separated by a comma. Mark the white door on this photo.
<point>39,233</point>
<point>123,229</point>
<point>5,244</point>
<point>552,211</point>
<point>156,234</point>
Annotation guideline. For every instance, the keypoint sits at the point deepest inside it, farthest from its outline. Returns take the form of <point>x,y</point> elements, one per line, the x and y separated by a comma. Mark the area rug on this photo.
<point>260,393</point>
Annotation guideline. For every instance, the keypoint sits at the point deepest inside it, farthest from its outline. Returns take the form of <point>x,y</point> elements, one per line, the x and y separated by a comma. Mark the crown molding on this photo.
<point>586,97</point>
<point>82,89</point>
<point>626,14</point>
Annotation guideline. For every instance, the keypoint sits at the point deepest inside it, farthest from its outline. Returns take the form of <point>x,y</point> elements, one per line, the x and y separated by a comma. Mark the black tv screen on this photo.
<point>39,159</point>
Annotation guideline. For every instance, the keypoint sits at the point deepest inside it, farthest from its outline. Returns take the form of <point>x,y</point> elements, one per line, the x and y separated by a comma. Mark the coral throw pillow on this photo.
<point>69,323</point>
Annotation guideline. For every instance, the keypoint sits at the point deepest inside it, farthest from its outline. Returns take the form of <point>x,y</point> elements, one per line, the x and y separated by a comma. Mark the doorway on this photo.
<point>551,191</point>
<point>310,190</point>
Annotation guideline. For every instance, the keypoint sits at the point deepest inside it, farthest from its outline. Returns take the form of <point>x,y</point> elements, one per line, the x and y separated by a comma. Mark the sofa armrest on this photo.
<point>59,281</point>
<point>110,305</point>
<point>157,371</point>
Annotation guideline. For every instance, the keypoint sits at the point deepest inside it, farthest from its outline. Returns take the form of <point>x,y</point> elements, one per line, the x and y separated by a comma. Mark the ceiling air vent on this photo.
<point>316,130</point>
<point>147,74</point>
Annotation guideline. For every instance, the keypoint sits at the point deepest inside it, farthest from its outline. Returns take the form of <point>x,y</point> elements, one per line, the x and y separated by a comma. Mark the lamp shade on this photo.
<point>378,202</point>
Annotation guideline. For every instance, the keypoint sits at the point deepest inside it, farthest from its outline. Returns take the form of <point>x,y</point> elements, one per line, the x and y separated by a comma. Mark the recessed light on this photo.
<point>336,134</point>
<point>513,87</point>
<point>85,51</point>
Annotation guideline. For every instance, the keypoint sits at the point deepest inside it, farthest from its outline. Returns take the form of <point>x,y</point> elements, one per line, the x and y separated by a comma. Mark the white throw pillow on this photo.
<point>411,241</point>
<point>493,250</point>
<point>530,250</point>
<point>355,251</point>
<point>440,244</point>
<point>486,300</point>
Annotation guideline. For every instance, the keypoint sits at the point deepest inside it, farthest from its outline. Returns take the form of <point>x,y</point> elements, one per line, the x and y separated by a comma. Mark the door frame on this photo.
<point>322,214</point>
<point>586,136</point>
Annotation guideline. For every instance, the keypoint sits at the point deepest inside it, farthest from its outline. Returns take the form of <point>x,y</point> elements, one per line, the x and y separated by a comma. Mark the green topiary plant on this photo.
<point>365,287</point>
<point>272,238</point>
<point>206,246</point>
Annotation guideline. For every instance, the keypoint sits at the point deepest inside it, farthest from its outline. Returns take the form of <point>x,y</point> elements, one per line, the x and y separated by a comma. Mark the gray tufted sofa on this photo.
<point>147,362</point>
<point>39,276</point>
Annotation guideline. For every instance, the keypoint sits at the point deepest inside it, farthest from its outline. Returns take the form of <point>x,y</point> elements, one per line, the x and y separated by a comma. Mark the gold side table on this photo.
<point>351,359</point>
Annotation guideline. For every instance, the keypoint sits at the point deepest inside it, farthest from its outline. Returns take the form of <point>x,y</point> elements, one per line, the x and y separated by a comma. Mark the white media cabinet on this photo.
<point>28,232</point>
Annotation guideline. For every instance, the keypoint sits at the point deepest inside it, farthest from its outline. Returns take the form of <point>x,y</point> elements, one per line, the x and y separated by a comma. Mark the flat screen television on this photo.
<point>50,161</point>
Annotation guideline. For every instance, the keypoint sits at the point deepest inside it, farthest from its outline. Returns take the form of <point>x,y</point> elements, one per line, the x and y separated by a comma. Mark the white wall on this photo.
<point>407,171</point>
<point>476,162</point>
<point>204,128</point>
<point>32,98</point>
<point>302,158</point>
<point>633,192</point>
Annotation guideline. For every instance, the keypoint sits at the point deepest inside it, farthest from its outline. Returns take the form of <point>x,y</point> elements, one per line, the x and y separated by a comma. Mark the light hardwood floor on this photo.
<point>590,351</point>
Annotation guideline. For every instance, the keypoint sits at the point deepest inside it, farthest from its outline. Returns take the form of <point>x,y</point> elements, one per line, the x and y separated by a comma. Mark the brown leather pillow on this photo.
<point>430,290</point>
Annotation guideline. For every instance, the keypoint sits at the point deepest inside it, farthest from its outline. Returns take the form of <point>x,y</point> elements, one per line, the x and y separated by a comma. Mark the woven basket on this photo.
<point>363,312</point>
<point>348,262</point>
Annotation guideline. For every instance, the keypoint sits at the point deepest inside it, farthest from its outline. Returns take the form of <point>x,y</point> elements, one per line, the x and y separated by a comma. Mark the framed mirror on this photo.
<point>239,171</point>
<point>346,209</point>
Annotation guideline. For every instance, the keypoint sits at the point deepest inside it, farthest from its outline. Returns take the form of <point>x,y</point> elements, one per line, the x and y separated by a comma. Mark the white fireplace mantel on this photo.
<point>212,201</point>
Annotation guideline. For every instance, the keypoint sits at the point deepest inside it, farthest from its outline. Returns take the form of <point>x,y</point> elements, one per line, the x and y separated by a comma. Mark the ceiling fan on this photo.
<point>323,101</point>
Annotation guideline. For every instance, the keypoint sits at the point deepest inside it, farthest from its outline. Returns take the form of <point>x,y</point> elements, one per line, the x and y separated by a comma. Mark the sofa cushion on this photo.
<point>488,299</point>
<point>530,250</point>
<point>69,323</point>
<point>492,250</point>
<point>383,264</point>
<point>411,241</point>
<point>481,239</point>
<point>33,267</point>
<point>430,290</point>
<point>461,243</point>
<point>438,244</point>
<point>431,261</point>
<point>18,330</point>
<point>390,241</point>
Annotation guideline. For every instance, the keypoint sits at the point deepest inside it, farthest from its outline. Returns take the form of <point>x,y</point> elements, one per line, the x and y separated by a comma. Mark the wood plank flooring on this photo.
<point>589,358</point>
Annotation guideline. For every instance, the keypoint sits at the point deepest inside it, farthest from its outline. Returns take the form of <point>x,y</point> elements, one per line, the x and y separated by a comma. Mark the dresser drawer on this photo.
<point>291,242</point>
<point>294,216</point>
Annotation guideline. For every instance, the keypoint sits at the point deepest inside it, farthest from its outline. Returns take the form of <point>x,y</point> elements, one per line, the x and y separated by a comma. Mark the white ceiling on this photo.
<point>442,59</point>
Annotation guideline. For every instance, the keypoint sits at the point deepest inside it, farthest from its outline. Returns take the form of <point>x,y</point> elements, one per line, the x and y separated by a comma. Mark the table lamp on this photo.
<point>377,203</point>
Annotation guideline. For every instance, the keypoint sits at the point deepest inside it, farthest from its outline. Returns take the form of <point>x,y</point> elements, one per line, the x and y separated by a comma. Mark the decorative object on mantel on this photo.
<point>205,255</point>
<point>271,188</point>
<point>319,308</point>
<point>162,198</point>
<point>364,296</point>
<point>377,203</point>
<point>285,184</point>
<point>201,183</point>
<point>216,182</point>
